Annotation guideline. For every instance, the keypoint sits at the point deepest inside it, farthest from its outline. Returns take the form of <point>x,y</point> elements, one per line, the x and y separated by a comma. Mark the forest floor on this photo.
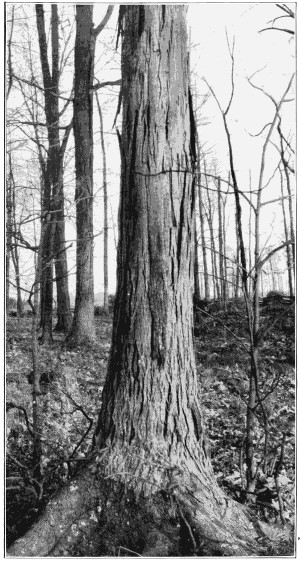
<point>71,385</point>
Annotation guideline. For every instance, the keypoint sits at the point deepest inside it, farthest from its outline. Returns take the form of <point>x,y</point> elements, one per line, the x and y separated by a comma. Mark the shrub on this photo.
<point>100,311</point>
<point>274,294</point>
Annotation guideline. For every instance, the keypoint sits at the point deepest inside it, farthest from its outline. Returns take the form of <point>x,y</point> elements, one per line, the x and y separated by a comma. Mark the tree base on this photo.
<point>63,325</point>
<point>77,339</point>
<point>98,514</point>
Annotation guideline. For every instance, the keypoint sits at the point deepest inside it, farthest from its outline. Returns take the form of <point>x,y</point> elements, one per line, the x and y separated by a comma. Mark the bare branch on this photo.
<point>231,52</point>
<point>108,83</point>
<point>275,200</point>
<point>65,139</point>
<point>286,9</point>
<point>270,254</point>
<point>103,23</point>
<point>260,132</point>
<point>277,29</point>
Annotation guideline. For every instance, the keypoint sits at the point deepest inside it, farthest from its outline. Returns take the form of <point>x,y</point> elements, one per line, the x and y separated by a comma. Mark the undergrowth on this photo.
<point>71,386</point>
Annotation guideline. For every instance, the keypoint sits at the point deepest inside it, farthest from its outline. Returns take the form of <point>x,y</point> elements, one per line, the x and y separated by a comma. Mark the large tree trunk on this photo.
<point>150,428</point>
<point>151,416</point>
<point>83,329</point>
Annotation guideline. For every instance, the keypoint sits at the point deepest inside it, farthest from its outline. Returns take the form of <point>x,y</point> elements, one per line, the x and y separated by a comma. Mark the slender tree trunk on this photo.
<point>238,275</point>
<point>48,214</point>
<point>221,243</point>
<point>36,411</point>
<point>213,249</point>
<point>46,295</point>
<point>9,224</point>
<point>250,233</point>
<point>290,262</point>
<point>64,317</point>
<point>226,284</point>
<point>288,186</point>
<point>286,234</point>
<point>16,263</point>
<point>203,242</point>
<point>13,238</point>
<point>197,293</point>
<point>83,329</point>
<point>105,209</point>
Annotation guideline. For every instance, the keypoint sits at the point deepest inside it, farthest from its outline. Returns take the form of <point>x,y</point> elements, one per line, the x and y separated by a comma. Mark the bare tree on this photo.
<point>255,397</point>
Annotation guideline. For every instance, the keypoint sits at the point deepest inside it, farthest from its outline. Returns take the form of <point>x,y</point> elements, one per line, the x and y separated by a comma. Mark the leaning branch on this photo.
<point>270,254</point>
<point>103,23</point>
<point>108,83</point>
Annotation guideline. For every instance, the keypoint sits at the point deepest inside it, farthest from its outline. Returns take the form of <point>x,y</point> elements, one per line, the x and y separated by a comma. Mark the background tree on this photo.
<point>53,199</point>
<point>105,208</point>
<point>83,329</point>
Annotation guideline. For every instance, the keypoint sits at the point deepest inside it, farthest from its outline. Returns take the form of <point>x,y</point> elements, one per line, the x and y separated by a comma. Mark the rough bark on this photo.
<point>150,427</point>
<point>151,417</point>
<point>83,329</point>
